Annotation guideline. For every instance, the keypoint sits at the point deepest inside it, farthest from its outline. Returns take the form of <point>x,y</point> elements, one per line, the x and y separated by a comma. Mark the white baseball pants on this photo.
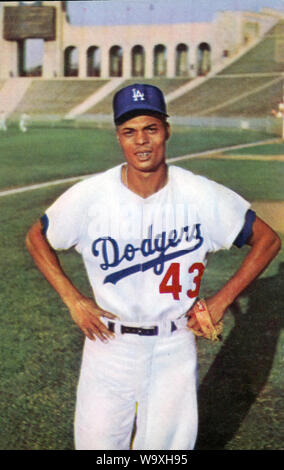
<point>159,373</point>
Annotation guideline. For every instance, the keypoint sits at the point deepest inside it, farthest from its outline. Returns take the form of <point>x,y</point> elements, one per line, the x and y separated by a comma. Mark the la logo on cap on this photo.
<point>137,95</point>
<point>137,99</point>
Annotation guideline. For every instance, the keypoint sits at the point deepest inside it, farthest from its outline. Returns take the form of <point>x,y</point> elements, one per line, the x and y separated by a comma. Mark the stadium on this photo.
<point>225,98</point>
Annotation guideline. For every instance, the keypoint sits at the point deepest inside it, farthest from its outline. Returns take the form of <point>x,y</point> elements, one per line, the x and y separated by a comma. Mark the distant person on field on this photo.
<point>3,125</point>
<point>23,122</point>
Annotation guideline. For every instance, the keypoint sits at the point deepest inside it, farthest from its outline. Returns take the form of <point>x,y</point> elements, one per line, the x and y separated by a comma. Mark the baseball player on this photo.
<point>25,118</point>
<point>144,230</point>
<point>3,125</point>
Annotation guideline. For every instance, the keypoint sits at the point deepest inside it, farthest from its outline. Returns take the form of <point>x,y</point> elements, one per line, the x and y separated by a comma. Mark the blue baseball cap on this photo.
<point>138,99</point>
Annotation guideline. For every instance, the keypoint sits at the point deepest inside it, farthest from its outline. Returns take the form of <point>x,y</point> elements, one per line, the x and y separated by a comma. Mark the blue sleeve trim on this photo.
<point>246,231</point>
<point>45,222</point>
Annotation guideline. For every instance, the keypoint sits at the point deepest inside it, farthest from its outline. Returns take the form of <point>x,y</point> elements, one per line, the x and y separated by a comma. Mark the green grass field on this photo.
<point>44,155</point>
<point>241,379</point>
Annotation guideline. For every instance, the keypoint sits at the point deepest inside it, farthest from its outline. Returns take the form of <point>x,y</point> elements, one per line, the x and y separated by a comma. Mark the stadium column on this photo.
<point>149,53</point>
<point>9,66</point>
<point>51,60</point>
<point>105,61</point>
<point>126,67</point>
<point>171,60</point>
<point>193,60</point>
<point>82,62</point>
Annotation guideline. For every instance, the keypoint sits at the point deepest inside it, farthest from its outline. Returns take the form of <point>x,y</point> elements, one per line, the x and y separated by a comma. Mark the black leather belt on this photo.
<point>134,330</point>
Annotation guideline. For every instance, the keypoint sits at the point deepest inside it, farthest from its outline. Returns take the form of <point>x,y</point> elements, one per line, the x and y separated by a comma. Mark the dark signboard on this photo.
<point>35,22</point>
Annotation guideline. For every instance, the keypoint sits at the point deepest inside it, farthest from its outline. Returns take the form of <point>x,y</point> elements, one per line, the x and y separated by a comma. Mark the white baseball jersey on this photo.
<point>145,257</point>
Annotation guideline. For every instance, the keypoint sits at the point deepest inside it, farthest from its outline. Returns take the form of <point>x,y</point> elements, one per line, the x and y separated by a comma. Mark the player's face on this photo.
<point>143,142</point>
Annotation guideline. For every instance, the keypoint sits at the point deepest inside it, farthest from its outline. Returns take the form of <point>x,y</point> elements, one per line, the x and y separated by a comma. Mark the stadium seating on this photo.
<point>250,87</point>
<point>166,84</point>
<point>210,98</point>
<point>56,97</point>
<point>265,57</point>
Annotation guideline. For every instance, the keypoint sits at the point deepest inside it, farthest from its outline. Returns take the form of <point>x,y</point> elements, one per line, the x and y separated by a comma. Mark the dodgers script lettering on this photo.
<point>108,249</point>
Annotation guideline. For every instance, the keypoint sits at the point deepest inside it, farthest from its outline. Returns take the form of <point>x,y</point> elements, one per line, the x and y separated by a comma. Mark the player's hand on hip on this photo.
<point>87,315</point>
<point>217,307</point>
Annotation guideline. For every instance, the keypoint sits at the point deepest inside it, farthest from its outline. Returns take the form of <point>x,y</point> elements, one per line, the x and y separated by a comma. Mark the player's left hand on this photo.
<point>216,307</point>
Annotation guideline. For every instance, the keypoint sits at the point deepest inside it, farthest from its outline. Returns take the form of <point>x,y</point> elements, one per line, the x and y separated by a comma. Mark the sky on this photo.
<point>105,12</point>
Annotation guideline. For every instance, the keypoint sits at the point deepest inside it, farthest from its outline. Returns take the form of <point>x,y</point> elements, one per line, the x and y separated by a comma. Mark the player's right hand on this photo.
<point>87,315</point>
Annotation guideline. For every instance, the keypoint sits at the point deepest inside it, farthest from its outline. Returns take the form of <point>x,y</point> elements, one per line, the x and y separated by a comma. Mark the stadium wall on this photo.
<point>187,49</point>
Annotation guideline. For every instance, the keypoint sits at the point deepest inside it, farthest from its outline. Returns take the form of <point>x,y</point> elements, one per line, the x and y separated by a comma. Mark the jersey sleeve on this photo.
<point>223,214</point>
<point>246,231</point>
<point>63,220</point>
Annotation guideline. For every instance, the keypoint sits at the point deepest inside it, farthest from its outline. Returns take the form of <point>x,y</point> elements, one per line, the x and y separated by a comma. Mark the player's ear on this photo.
<point>117,135</point>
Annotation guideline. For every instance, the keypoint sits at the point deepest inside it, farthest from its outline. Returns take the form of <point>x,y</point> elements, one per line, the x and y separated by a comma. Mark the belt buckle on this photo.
<point>129,329</point>
<point>141,331</point>
<point>151,331</point>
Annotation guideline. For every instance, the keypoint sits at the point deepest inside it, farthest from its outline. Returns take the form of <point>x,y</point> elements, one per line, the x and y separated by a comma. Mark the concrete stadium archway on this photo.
<point>93,61</point>
<point>182,60</point>
<point>138,61</point>
<point>160,61</point>
<point>30,57</point>
<point>71,68</point>
<point>115,61</point>
<point>204,58</point>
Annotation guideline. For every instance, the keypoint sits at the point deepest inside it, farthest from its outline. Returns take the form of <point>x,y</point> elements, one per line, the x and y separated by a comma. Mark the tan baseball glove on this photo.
<point>205,326</point>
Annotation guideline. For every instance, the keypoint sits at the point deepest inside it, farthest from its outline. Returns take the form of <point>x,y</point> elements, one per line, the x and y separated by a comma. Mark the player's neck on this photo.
<point>144,183</point>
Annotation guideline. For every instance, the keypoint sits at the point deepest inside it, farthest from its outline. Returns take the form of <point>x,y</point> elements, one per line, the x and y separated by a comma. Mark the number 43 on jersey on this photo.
<point>171,281</point>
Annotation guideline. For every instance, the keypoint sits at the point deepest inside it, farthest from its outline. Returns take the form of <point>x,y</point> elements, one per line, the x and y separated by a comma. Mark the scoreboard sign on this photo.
<point>35,22</point>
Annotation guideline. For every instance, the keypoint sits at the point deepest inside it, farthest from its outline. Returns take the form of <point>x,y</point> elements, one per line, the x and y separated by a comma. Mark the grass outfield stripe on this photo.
<point>261,158</point>
<point>224,149</point>
<point>31,187</point>
<point>170,160</point>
